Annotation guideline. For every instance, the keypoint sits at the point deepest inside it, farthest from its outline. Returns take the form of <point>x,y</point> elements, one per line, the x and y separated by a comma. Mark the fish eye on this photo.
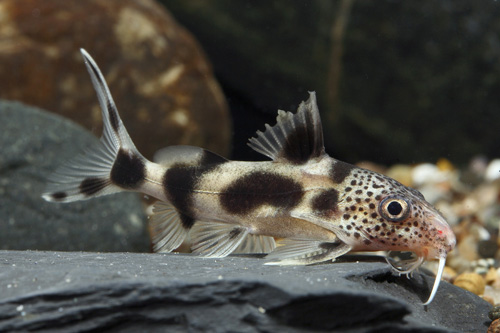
<point>394,208</point>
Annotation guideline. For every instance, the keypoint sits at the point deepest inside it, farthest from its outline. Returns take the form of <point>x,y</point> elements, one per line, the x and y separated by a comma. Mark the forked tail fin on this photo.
<point>113,165</point>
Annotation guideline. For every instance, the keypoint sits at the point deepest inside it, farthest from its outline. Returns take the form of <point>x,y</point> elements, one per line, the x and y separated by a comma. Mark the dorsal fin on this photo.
<point>295,138</point>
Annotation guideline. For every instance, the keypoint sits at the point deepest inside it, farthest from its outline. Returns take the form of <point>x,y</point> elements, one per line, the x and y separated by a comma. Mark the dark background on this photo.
<point>397,81</point>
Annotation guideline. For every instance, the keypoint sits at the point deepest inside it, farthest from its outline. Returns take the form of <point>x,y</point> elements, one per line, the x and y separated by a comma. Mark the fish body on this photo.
<point>318,206</point>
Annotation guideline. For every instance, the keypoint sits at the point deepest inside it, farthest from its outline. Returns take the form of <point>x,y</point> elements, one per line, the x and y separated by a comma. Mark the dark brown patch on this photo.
<point>178,183</point>
<point>234,233</point>
<point>59,195</point>
<point>340,171</point>
<point>113,115</point>
<point>259,188</point>
<point>128,170</point>
<point>186,221</point>
<point>325,203</point>
<point>302,144</point>
<point>92,185</point>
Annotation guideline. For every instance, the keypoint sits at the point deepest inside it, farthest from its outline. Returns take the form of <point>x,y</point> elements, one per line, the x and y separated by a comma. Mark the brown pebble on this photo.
<point>472,282</point>
<point>488,299</point>
<point>494,327</point>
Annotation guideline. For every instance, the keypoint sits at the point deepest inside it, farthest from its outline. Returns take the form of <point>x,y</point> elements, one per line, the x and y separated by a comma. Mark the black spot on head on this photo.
<point>128,170</point>
<point>59,195</point>
<point>358,192</point>
<point>260,188</point>
<point>357,235</point>
<point>326,202</point>
<point>372,206</point>
<point>353,182</point>
<point>340,171</point>
<point>348,189</point>
<point>367,241</point>
<point>92,185</point>
<point>346,216</point>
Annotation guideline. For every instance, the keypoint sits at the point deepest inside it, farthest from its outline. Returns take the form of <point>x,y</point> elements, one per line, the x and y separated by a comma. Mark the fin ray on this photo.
<point>214,239</point>
<point>70,182</point>
<point>256,244</point>
<point>306,252</point>
<point>295,138</point>
<point>166,227</point>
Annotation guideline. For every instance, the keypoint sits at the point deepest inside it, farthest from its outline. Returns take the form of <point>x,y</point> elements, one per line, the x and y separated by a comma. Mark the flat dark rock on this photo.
<point>61,292</point>
<point>34,143</point>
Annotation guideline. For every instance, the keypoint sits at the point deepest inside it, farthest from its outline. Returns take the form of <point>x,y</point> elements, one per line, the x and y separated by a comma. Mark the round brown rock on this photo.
<point>157,73</point>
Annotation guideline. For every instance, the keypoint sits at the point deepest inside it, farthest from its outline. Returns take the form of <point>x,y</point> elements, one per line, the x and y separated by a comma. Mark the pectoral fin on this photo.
<point>306,252</point>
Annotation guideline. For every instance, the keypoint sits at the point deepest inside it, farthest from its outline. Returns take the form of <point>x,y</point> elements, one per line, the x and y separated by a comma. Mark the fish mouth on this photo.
<point>442,239</point>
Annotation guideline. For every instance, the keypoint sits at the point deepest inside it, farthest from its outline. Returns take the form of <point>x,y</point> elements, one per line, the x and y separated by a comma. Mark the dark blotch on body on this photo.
<point>260,188</point>
<point>92,185</point>
<point>128,170</point>
<point>180,181</point>
<point>340,170</point>
<point>186,221</point>
<point>325,204</point>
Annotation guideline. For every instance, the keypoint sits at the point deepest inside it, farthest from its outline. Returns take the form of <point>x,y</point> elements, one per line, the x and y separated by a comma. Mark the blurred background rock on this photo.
<point>158,75</point>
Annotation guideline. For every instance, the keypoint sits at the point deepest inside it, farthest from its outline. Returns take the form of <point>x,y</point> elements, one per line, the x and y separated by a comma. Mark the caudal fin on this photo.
<point>111,166</point>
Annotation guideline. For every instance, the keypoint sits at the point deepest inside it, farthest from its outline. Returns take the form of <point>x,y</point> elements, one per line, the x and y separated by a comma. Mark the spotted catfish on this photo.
<point>318,206</point>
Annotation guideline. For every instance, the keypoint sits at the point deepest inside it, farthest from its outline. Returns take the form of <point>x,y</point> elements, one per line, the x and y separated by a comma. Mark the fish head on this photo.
<point>379,213</point>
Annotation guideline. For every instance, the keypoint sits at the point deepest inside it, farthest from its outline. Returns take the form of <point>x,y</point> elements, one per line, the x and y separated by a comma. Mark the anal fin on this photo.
<point>306,252</point>
<point>168,227</point>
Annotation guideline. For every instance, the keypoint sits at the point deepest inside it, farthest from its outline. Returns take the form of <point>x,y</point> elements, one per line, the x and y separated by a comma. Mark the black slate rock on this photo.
<point>34,143</point>
<point>117,292</point>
